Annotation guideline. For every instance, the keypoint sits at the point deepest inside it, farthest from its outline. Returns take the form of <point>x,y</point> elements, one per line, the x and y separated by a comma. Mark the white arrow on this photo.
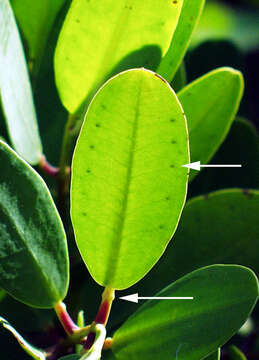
<point>135,298</point>
<point>197,166</point>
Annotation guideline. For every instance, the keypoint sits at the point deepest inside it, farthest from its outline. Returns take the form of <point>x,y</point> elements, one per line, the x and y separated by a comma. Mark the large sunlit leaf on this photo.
<point>224,296</point>
<point>210,104</point>
<point>33,249</point>
<point>15,90</point>
<point>128,185</point>
<point>36,19</point>
<point>189,18</point>
<point>98,35</point>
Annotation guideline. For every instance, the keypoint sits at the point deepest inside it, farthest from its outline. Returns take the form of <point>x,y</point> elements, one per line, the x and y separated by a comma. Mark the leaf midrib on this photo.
<point>117,242</point>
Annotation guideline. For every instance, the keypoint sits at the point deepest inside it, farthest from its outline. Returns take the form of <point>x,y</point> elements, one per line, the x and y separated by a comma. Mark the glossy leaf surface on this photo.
<point>33,250</point>
<point>15,90</point>
<point>224,296</point>
<point>189,18</point>
<point>36,19</point>
<point>97,36</point>
<point>210,104</point>
<point>128,186</point>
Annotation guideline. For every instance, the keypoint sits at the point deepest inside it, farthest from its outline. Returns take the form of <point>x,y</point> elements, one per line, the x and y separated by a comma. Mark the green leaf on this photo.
<point>70,357</point>
<point>33,250</point>
<point>2,294</point>
<point>15,90</point>
<point>224,296</point>
<point>236,354</point>
<point>221,22</point>
<point>214,356</point>
<point>199,241</point>
<point>232,152</point>
<point>36,19</point>
<point>210,104</point>
<point>217,22</point>
<point>28,348</point>
<point>189,18</point>
<point>180,79</point>
<point>128,185</point>
<point>97,36</point>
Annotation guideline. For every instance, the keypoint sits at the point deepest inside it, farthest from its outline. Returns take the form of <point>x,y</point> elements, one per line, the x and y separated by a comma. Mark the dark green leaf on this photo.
<point>98,35</point>
<point>232,152</point>
<point>236,354</point>
<point>200,240</point>
<point>224,296</point>
<point>33,250</point>
<point>15,90</point>
<point>70,357</point>
<point>214,356</point>
<point>128,185</point>
<point>36,19</point>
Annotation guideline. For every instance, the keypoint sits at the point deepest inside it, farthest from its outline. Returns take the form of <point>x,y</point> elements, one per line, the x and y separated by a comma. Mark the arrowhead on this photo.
<point>132,298</point>
<point>195,165</point>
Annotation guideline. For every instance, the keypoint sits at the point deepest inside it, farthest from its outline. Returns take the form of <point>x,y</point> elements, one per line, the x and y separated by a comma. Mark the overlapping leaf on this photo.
<point>210,104</point>
<point>224,296</point>
<point>200,241</point>
<point>36,19</point>
<point>128,185</point>
<point>33,250</point>
<point>97,36</point>
<point>15,90</point>
<point>189,18</point>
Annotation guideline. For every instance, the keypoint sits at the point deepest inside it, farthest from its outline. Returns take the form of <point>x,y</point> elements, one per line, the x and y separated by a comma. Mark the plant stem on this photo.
<point>67,145</point>
<point>69,326</point>
<point>108,343</point>
<point>45,166</point>
<point>102,315</point>
<point>70,133</point>
<point>95,352</point>
<point>105,307</point>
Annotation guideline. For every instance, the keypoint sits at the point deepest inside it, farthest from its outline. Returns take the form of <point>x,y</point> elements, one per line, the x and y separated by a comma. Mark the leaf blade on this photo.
<point>210,110</point>
<point>15,90</point>
<point>199,327</point>
<point>36,20</point>
<point>28,224</point>
<point>116,170</point>
<point>155,26</point>
<point>188,20</point>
